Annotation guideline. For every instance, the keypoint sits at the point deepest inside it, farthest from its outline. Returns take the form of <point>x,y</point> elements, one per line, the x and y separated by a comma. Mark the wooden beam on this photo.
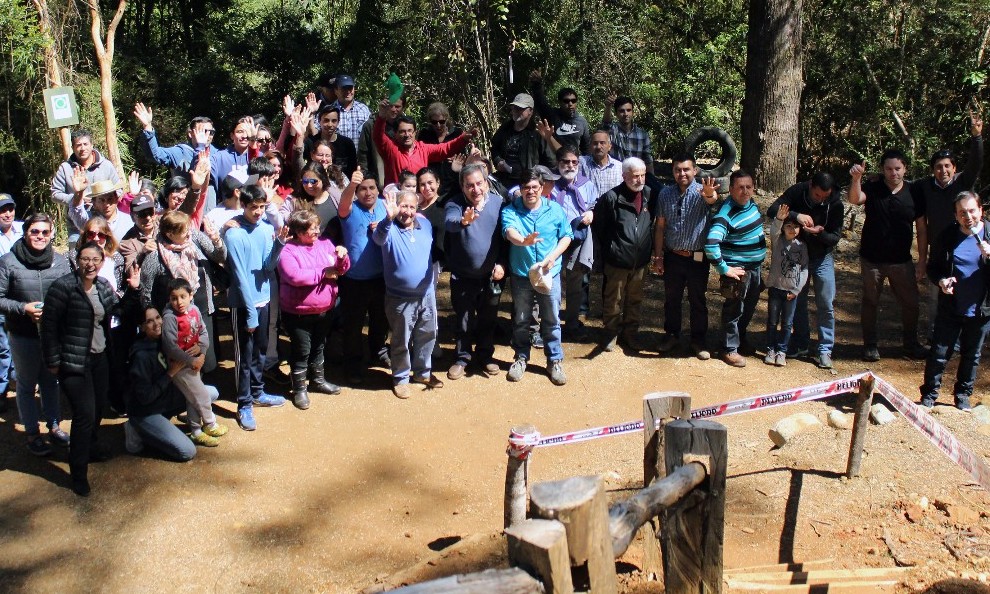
<point>492,581</point>
<point>540,547</point>
<point>693,530</point>
<point>657,408</point>
<point>860,424</point>
<point>516,473</point>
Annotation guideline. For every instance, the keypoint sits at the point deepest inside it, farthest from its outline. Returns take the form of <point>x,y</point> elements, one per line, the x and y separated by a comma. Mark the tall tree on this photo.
<point>104,57</point>
<point>773,92</point>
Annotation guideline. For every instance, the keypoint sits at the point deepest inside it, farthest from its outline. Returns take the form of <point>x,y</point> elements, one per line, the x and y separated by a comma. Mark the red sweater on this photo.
<point>420,156</point>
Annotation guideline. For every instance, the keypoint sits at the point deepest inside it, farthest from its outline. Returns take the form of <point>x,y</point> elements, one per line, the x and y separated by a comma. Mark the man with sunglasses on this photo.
<point>104,196</point>
<point>177,158</point>
<point>571,129</point>
<point>939,190</point>
<point>139,241</point>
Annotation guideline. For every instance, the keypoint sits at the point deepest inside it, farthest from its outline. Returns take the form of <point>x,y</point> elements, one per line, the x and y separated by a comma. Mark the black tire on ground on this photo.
<point>728,159</point>
<point>723,182</point>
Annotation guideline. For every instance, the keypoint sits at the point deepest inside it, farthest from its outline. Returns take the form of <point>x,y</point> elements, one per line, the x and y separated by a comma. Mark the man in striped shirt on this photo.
<point>736,247</point>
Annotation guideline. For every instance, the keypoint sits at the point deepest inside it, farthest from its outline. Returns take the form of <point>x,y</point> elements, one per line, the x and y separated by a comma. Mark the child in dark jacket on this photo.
<point>184,338</point>
<point>788,275</point>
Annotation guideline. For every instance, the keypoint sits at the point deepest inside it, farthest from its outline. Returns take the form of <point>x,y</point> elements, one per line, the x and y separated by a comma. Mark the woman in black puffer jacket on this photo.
<point>26,273</point>
<point>75,329</point>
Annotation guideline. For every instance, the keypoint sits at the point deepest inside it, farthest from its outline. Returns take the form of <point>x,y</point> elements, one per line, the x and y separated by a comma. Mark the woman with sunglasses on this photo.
<point>440,129</point>
<point>26,274</point>
<point>315,193</point>
<point>283,173</point>
<point>75,336</point>
<point>96,230</point>
<point>182,251</point>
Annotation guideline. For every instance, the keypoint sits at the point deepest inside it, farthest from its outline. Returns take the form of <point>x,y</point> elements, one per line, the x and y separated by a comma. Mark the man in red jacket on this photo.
<point>404,152</point>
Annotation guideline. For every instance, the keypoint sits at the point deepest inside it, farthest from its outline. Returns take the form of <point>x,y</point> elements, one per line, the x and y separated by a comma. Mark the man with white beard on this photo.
<point>577,195</point>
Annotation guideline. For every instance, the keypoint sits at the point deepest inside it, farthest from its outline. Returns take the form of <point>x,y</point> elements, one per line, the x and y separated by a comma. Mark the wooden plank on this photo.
<point>516,471</point>
<point>492,581</point>
<point>657,408</point>
<point>692,531</point>
<point>860,424</point>
<point>818,576</point>
<point>540,547</point>
<point>800,566</point>
<point>865,587</point>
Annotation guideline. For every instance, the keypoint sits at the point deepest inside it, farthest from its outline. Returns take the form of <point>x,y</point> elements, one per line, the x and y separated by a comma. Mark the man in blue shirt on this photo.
<point>406,240</point>
<point>959,266</point>
<point>678,252</point>
<point>538,232</point>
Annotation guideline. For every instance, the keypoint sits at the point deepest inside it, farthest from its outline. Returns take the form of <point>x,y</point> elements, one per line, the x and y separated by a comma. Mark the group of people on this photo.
<point>346,218</point>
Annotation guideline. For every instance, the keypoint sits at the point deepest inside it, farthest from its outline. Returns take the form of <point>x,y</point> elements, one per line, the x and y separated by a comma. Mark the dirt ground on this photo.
<point>362,485</point>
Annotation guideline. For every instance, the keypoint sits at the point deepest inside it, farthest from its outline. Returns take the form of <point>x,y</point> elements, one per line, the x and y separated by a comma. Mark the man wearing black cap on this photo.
<point>140,240</point>
<point>353,113</point>
<point>517,147</point>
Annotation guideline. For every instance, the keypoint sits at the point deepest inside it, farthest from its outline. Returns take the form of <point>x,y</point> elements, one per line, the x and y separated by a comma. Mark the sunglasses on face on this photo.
<point>261,140</point>
<point>96,235</point>
<point>309,182</point>
<point>144,214</point>
<point>41,232</point>
<point>569,101</point>
<point>438,122</point>
<point>210,131</point>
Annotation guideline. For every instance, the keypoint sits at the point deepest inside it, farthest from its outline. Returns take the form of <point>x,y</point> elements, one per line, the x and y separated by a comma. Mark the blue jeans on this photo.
<point>524,297</point>
<point>6,361</point>
<point>31,374</point>
<point>950,329</point>
<point>414,332</point>
<point>780,311</point>
<point>821,272</point>
<point>249,355</point>
<point>738,311</point>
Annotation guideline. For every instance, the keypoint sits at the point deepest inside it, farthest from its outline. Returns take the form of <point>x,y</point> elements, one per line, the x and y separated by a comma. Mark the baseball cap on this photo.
<point>523,100</point>
<point>545,174</point>
<point>7,200</point>
<point>236,180</point>
<point>142,202</point>
<point>344,80</point>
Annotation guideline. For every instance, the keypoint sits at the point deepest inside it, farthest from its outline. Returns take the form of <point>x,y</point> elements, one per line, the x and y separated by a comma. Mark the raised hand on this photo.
<point>312,103</point>
<point>709,187</point>
<point>288,106</point>
<point>383,108</point>
<point>975,122</point>
<point>391,206</point>
<point>473,132</point>
<point>299,122</point>
<point>535,76</point>
<point>134,183</point>
<point>532,239</point>
<point>211,231</point>
<point>282,235</point>
<point>79,180</point>
<point>610,100</point>
<point>782,212</point>
<point>252,127</point>
<point>469,216</point>
<point>357,177</point>
<point>143,115</point>
<point>200,137</point>
<point>201,173</point>
<point>857,171</point>
<point>544,129</point>
<point>457,162</point>
<point>134,276</point>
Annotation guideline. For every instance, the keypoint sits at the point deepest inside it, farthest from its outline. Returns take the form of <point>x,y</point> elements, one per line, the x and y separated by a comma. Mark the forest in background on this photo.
<point>875,73</point>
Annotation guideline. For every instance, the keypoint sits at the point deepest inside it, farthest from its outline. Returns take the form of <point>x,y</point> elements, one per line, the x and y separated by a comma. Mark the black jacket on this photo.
<point>828,214</point>
<point>20,285</point>
<point>151,390</point>
<point>940,266</point>
<point>67,322</point>
<point>626,238</point>
<point>533,151</point>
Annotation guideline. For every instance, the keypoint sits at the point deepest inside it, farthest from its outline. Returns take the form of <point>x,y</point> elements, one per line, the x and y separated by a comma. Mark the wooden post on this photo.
<point>657,407</point>
<point>521,442</point>
<point>540,547</point>
<point>492,581</point>
<point>692,531</point>
<point>861,423</point>
<point>579,504</point>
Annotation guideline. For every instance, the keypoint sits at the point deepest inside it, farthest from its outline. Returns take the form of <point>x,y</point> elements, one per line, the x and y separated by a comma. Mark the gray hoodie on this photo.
<point>788,261</point>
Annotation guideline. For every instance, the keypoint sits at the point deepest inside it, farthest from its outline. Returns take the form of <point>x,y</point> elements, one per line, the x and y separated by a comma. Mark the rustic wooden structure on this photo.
<point>521,442</point>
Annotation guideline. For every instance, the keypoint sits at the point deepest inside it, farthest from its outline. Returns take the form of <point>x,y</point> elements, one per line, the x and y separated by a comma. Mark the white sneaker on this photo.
<point>132,441</point>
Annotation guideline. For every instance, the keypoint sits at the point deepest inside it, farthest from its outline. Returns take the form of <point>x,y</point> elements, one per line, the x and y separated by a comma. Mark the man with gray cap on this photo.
<point>517,146</point>
<point>353,113</point>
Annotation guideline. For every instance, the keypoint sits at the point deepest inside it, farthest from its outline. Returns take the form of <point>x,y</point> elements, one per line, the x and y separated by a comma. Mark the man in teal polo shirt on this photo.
<point>539,232</point>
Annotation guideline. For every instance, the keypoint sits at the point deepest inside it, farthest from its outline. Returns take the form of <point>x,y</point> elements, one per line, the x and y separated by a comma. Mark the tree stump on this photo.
<point>521,442</point>
<point>579,504</point>
<point>657,408</point>
<point>860,424</point>
<point>540,547</point>
<point>692,531</point>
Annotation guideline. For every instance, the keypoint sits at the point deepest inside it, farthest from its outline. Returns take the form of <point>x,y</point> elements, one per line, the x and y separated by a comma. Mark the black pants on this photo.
<point>476,312</point>
<point>87,396</point>
<point>358,299</point>
<point>680,272</point>
<point>307,337</point>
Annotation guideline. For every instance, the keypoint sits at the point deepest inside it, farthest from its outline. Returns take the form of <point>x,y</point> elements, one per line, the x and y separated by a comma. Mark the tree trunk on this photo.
<point>773,93</point>
<point>53,66</point>
<point>104,57</point>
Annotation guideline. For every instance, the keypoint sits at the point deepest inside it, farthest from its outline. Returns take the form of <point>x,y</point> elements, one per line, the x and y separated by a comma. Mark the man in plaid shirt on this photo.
<point>353,113</point>
<point>628,139</point>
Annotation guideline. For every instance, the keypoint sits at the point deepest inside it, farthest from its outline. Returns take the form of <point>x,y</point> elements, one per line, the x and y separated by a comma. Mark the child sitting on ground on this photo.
<point>184,338</point>
<point>788,275</point>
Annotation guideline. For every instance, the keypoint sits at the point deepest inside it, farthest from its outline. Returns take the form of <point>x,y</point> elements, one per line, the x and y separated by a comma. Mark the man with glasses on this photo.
<point>679,252</point>
<point>577,195</point>
<point>369,157</point>
<point>139,241</point>
<point>178,158</point>
<point>571,129</point>
<point>939,190</point>
<point>517,146</point>
<point>353,113</point>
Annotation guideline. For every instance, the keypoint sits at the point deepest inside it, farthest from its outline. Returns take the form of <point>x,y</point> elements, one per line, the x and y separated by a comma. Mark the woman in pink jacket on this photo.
<point>309,267</point>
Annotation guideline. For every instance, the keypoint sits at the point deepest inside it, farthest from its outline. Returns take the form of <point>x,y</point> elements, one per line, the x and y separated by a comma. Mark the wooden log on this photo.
<point>492,581</point>
<point>657,408</point>
<point>540,547</point>
<point>626,517</point>
<point>693,530</point>
<point>579,504</point>
<point>521,441</point>
<point>860,424</point>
